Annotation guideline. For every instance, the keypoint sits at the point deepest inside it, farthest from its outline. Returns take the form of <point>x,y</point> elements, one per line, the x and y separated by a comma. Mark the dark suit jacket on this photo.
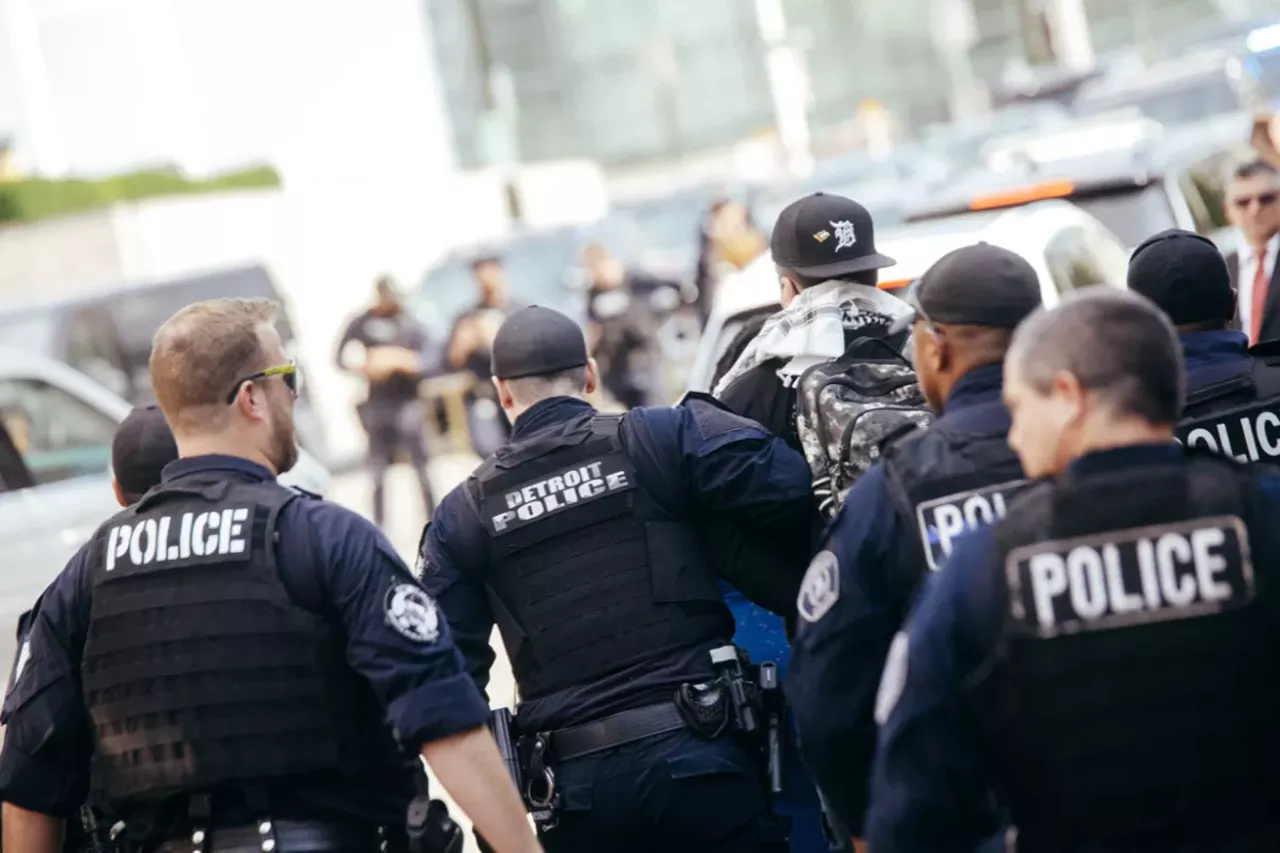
<point>1270,329</point>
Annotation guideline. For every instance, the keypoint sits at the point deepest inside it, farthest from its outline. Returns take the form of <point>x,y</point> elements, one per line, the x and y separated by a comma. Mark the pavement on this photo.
<point>403,527</point>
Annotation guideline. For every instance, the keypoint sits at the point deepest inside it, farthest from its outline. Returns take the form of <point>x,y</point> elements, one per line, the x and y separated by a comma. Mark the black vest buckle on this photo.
<point>704,708</point>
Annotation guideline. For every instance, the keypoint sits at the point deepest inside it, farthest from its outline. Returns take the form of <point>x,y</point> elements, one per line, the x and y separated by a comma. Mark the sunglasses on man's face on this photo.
<point>287,372</point>
<point>1263,200</point>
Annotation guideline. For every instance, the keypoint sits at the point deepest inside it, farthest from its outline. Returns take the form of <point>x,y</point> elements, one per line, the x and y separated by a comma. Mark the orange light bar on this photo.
<point>1023,195</point>
<point>894,283</point>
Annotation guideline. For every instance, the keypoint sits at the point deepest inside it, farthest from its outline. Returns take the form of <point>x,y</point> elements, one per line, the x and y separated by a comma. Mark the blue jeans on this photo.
<point>674,793</point>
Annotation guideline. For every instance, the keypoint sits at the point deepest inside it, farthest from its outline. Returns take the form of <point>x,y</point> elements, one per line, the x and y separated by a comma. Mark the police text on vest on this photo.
<point>570,487</point>
<point>1125,577</point>
<point>944,520</point>
<point>216,533</point>
<point>1249,434</point>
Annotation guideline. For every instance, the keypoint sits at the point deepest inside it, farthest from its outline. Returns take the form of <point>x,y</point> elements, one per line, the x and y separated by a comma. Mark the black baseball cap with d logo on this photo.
<point>826,236</point>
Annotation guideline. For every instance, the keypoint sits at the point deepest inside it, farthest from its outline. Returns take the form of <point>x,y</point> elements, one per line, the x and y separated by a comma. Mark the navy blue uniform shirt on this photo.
<point>932,780</point>
<point>837,660</point>
<point>423,686</point>
<point>721,464</point>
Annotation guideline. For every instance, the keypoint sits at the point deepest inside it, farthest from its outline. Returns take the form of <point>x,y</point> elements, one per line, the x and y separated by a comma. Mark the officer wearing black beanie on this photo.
<point>1233,393</point>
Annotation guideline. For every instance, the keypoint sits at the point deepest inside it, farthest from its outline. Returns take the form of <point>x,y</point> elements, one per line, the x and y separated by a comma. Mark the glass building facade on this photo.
<point>626,81</point>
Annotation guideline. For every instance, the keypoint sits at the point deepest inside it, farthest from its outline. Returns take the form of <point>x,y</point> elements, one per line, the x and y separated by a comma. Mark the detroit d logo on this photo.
<point>412,612</point>
<point>845,236</point>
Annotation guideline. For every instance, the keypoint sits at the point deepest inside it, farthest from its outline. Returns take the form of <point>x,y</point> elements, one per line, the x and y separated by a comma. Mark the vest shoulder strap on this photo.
<point>1235,386</point>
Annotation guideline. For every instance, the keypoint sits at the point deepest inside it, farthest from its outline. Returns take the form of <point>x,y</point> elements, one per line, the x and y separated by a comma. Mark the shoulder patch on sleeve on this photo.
<point>821,587</point>
<point>413,613</point>
<point>893,679</point>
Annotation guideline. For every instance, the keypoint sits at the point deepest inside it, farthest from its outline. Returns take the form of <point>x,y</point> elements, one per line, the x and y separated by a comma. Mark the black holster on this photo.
<point>430,829</point>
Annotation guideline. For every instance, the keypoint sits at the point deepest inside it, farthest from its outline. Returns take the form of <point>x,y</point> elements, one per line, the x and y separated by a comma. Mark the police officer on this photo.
<point>217,668</point>
<point>1233,397</point>
<point>393,416</point>
<point>901,518</point>
<point>580,540</point>
<point>141,448</point>
<point>1094,658</point>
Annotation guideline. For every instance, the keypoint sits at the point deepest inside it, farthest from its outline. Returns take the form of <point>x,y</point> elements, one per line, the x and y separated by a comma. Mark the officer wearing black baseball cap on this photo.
<point>818,240</point>
<point>1228,386</point>
<point>901,518</point>
<point>579,540</point>
<point>142,446</point>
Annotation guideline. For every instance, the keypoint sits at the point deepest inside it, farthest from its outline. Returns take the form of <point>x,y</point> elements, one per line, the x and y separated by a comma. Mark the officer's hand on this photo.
<point>859,845</point>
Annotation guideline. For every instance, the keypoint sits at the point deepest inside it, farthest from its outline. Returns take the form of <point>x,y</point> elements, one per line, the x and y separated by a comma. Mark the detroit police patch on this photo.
<point>412,612</point>
<point>821,587</point>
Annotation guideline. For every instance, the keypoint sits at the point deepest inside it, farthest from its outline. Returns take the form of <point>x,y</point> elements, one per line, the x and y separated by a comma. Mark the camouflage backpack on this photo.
<point>847,408</point>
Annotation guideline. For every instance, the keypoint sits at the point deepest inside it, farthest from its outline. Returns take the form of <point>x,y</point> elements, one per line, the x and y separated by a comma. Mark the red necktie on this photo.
<point>1261,284</point>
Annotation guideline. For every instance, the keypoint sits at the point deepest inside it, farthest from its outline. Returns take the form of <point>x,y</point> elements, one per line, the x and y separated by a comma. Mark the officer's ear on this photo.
<point>593,377</point>
<point>120,498</point>
<point>504,394</point>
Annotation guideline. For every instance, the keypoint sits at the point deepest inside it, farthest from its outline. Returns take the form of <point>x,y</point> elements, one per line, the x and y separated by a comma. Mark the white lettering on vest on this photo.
<point>1171,550</point>
<point>205,534</point>
<point>1184,569</point>
<point>165,551</point>
<point>141,556</point>
<point>533,500</point>
<point>1253,431</point>
<point>1084,575</point>
<point>1048,580</point>
<point>944,520</point>
<point>117,544</point>
<point>184,539</point>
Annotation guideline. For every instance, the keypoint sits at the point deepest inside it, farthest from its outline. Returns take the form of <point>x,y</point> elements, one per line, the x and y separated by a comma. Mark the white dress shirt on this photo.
<point>1249,261</point>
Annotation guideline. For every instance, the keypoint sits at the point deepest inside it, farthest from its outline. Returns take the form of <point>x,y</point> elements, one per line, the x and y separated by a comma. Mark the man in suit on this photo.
<point>1252,208</point>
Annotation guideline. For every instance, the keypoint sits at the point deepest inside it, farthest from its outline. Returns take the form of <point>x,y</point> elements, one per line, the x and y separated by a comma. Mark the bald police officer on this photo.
<point>1233,397</point>
<point>217,668</point>
<point>1098,658</point>
<point>580,539</point>
<point>901,519</point>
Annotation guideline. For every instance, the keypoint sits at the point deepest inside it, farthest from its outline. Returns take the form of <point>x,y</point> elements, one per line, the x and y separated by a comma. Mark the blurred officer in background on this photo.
<point>1094,657</point>
<point>623,325</point>
<point>1229,391</point>
<point>142,446</point>
<point>393,416</point>
<point>468,350</point>
<point>580,539</point>
<point>902,517</point>
<point>262,719</point>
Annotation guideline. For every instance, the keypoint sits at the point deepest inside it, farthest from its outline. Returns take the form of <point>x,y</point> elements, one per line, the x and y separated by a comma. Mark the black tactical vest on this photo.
<point>1138,695</point>
<point>1233,418</point>
<point>586,574</point>
<point>953,477</point>
<point>199,671</point>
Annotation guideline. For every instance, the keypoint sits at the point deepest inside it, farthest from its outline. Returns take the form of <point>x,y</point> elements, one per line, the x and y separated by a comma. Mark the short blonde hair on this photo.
<point>200,353</point>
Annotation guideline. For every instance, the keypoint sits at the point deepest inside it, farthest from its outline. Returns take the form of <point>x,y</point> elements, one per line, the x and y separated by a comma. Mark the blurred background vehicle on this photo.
<point>1132,173</point>
<point>107,334</point>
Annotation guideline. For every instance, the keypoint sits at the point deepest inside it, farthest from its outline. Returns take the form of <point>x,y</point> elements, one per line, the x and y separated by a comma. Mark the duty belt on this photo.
<point>615,730</point>
<point>287,836</point>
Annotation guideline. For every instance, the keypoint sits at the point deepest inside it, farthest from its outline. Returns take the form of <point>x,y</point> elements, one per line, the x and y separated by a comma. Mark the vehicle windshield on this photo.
<point>29,332</point>
<point>1131,213</point>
